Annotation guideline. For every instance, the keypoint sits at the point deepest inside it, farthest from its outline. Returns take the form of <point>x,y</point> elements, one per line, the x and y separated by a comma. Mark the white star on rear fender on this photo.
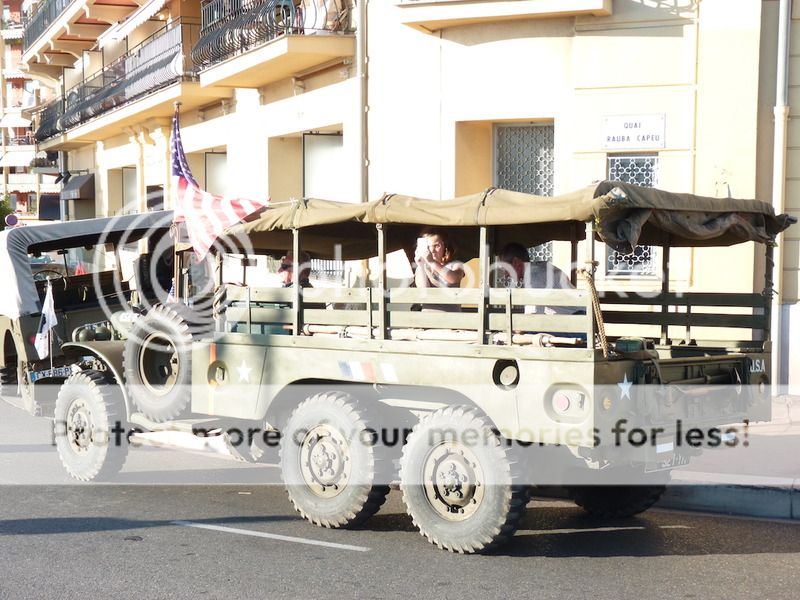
<point>625,386</point>
<point>244,372</point>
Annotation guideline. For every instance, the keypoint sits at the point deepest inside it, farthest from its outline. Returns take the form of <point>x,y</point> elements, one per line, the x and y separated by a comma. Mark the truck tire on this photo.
<point>332,478</point>
<point>14,384</point>
<point>460,484</point>
<point>89,412</point>
<point>8,381</point>
<point>615,501</point>
<point>157,362</point>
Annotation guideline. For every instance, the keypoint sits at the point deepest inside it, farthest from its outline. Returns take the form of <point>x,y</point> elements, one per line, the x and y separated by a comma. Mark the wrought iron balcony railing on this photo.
<point>40,18</point>
<point>160,60</point>
<point>20,140</point>
<point>50,120</point>
<point>230,27</point>
<point>10,24</point>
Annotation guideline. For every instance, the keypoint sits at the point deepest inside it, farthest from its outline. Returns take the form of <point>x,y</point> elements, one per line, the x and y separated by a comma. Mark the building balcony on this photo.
<point>433,15</point>
<point>56,32</point>
<point>22,178</point>
<point>11,29</point>
<point>29,182</point>
<point>19,141</point>
<point>251,43</point>
<point>141,84</point>
<point>18,155</point>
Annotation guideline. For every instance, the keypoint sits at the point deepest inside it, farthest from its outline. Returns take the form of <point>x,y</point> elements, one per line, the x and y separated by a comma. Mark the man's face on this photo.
<point>436,247</point>
<point>285,270</point>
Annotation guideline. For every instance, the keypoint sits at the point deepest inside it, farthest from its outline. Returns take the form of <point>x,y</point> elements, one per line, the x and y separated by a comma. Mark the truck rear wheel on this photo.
<point>88,412</point>
<point>615,501</point>
<point>460,484</point>
<point>334,475</point>
<point>157,362</point>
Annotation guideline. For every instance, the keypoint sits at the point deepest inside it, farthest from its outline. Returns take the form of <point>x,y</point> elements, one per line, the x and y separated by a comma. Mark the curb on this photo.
<point>761,501</point>
<point>745,500</point>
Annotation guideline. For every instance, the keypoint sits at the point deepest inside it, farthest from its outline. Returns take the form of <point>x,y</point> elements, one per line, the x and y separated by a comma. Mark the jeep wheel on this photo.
<point>87,412</point>
<point>157,362</point>
<point>615,501</point>
<point>460,485</point>
<point>334,476</point>
<point>8,381</point>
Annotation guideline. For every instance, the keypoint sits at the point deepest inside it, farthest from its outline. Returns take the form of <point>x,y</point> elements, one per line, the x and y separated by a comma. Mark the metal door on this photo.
<point>524,162</point>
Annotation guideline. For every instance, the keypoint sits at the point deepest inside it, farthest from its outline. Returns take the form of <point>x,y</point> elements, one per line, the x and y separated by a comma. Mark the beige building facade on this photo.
<point>27,182</point>
<point>436,98</point>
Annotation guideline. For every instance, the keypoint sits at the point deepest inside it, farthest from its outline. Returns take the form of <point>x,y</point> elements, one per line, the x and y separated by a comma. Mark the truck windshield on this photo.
<point>72,261</point>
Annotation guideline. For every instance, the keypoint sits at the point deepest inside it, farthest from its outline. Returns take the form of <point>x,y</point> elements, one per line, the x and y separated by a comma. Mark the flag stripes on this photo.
<point>206,215</point>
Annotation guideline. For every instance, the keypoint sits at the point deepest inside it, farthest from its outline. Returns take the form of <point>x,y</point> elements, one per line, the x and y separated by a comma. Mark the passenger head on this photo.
<point>440,245</point>
<point>516,256</point>
<point>286,268</point>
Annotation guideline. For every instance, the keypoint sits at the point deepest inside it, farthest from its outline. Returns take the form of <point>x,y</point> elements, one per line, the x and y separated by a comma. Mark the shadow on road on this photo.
<point>563,532</point>
<point>48,525</point>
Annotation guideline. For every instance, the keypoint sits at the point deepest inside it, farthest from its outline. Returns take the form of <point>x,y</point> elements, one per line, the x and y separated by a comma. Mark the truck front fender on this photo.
<point>110,354</point>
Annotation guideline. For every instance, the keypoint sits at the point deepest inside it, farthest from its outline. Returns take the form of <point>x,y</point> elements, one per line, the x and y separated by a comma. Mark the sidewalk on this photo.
<point>761,479</point>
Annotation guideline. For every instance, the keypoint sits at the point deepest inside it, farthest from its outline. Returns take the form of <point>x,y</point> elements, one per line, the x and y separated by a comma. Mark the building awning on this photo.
<point>14,120</point>
<point>123,28</point>
<point>79,187</point>
<point>20,158</point>
<point>12,34</point>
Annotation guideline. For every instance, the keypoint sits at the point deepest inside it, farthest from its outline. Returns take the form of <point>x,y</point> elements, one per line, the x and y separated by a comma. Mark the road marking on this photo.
<point>272,536</point>
<point>596,529</point>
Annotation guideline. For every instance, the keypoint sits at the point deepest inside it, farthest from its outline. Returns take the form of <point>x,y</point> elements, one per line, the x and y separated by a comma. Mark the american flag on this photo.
<point>206,215</point>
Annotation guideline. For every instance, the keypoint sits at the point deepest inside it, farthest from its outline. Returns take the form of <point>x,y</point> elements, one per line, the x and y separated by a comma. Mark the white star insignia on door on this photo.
<point>625,386</point>
<point>244,372</point>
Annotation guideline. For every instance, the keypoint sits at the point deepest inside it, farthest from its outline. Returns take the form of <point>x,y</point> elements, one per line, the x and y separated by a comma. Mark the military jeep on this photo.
<point>83,262</point>
<point>468,407</point>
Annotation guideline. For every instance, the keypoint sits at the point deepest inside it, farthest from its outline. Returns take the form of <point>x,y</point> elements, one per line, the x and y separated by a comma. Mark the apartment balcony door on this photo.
<point>524,162</point>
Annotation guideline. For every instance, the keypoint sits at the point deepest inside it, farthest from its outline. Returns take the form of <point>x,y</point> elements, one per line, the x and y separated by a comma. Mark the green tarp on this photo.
<point>624,216</point>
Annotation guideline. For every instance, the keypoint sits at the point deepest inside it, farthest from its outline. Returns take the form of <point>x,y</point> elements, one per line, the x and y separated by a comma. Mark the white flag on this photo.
<point>46,323</point>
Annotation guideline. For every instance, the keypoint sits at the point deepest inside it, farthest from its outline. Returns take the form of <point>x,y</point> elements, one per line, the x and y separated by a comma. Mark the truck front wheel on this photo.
<point>460,485</point>
<point>335,472</point>
<point>87,432</point>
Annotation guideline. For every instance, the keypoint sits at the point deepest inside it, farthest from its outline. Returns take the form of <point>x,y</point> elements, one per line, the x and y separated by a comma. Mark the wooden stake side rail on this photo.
<point>348,307</point>
<point>686,307</point>
<point>684,299</point>
<point>505,311</point>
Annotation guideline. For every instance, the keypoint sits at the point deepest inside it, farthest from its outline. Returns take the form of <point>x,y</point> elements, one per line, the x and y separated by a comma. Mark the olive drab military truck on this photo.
<point>469,396</point>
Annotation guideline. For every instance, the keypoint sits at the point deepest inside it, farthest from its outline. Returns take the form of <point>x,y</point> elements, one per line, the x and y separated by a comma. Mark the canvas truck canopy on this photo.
<point>625,215</point>
<point>20,296</point>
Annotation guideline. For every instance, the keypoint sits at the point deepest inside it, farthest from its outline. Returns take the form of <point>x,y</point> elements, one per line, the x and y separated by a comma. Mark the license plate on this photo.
<point>666,463</point>
<point>54,372</point>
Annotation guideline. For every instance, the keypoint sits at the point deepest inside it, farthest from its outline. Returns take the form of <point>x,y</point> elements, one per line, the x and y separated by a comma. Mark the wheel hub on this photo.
<point>324,461</point>
<point>453,481</point>
<point>79,427</point>
<point>159,364</point>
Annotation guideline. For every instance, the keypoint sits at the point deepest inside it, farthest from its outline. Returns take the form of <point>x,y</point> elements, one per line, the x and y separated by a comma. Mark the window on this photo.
<point>639,169</point>
<point>524,162</point>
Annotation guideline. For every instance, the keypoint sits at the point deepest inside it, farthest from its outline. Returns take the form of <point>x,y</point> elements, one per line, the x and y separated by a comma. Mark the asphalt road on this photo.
<point>198,536</point>
<point>125,542</point>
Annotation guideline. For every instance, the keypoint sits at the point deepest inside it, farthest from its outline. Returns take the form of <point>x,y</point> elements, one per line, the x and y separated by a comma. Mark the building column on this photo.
<point>101,186</point>
<point>160,157</point>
